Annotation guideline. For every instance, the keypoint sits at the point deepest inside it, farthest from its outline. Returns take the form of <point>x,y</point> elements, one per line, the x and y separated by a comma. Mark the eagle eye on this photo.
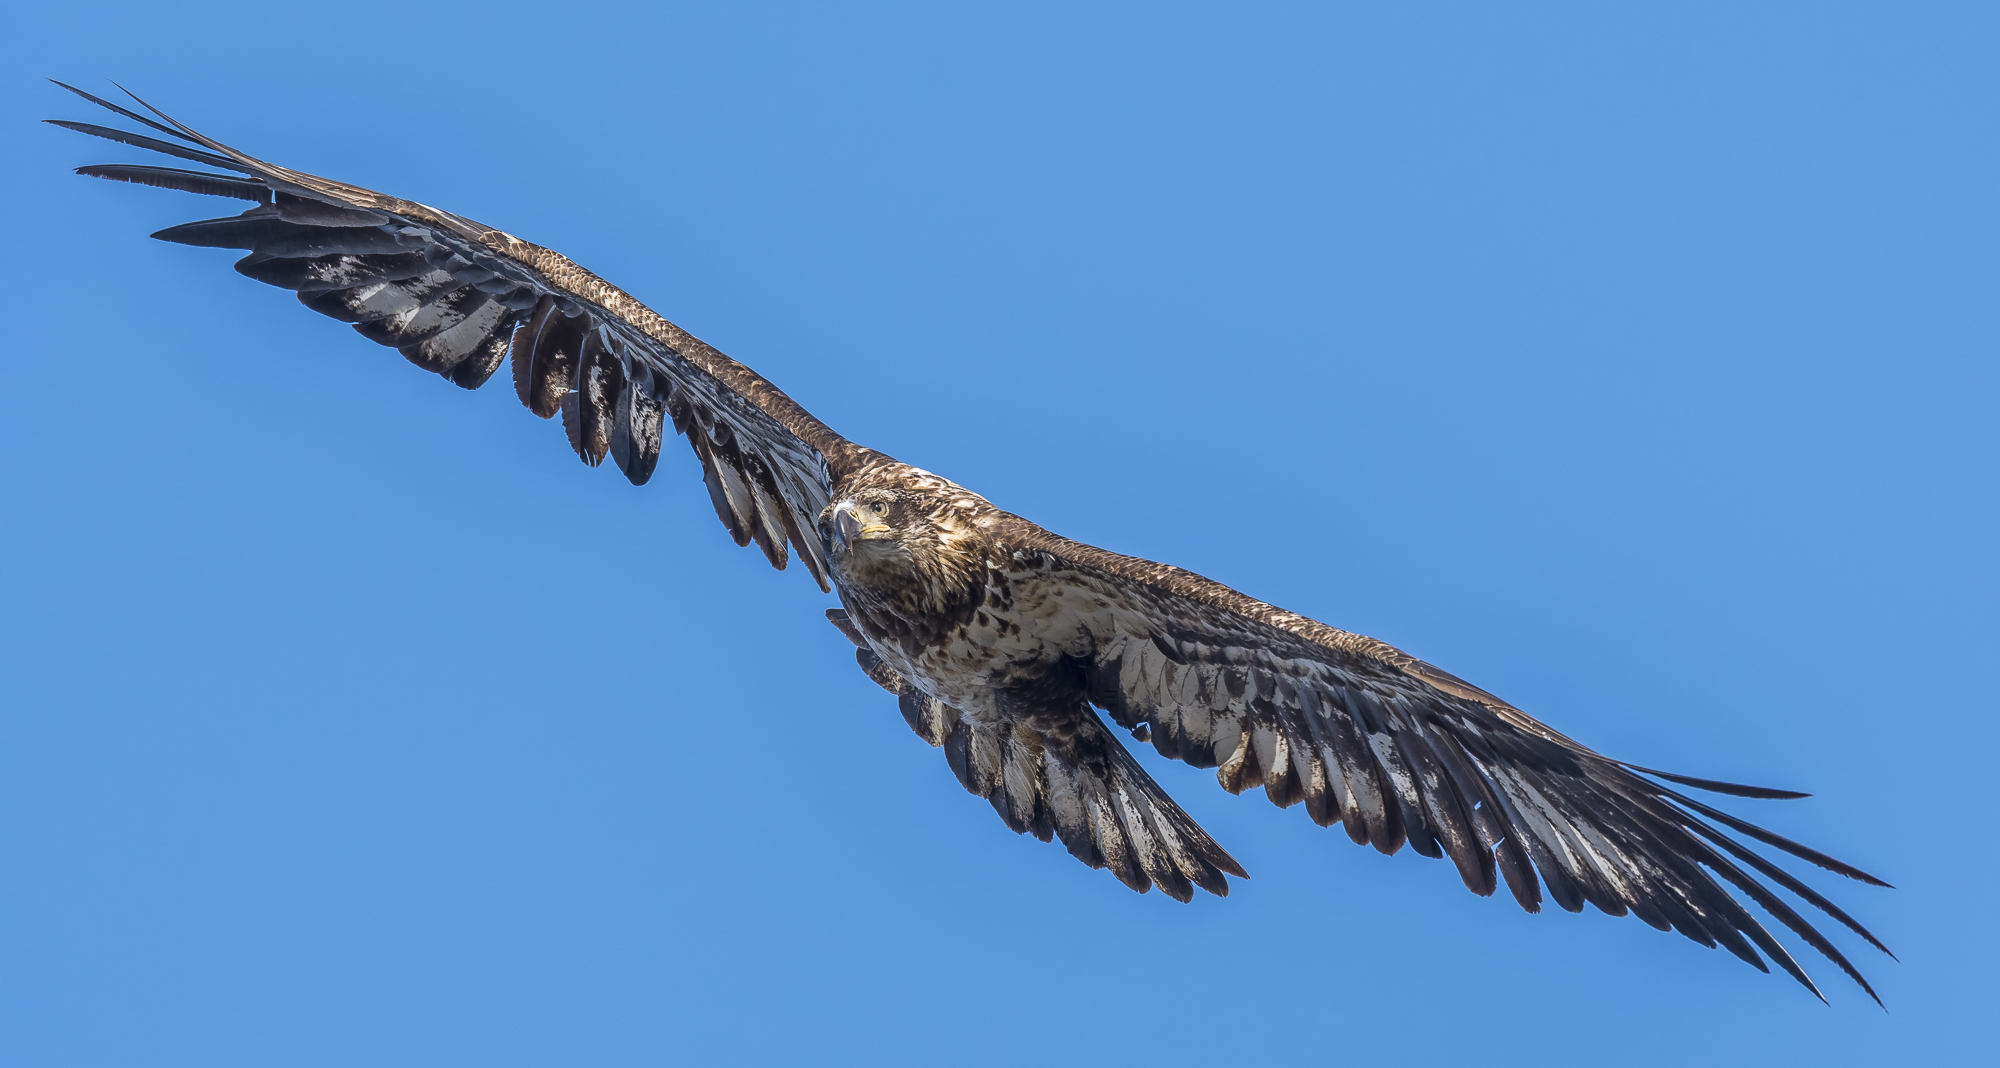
<point>879,507</point>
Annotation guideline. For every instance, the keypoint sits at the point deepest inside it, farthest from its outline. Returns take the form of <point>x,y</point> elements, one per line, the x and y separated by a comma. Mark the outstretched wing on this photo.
<point>1085,789</point>
<point>456,298</point>
<point>1399,752</point>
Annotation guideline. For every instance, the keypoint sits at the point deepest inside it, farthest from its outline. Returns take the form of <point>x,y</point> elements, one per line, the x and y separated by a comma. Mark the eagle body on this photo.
<point>1006,645</point>
<point>990,644</point>
<point>968,615</point>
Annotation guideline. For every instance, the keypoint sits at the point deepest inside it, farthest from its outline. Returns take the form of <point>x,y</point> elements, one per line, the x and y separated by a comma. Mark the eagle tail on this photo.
<point>1084,788</point>
<point>1140,833</point>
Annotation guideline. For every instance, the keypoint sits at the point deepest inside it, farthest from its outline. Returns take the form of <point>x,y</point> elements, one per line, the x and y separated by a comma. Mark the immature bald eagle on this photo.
<point>996,636</point>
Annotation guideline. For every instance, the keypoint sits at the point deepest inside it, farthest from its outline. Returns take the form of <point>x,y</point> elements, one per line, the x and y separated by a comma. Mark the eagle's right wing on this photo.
<point>456,297</point>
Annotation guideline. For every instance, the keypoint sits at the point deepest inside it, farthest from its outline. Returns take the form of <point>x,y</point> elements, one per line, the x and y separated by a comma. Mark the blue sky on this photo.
<point>1638,366</point>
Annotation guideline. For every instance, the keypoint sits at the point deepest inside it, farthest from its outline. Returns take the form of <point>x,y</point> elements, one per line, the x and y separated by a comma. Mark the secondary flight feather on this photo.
<point>1000,640</point>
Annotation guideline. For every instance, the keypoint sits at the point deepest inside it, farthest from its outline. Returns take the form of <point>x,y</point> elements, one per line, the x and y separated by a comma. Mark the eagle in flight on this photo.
<point>1000,640</point>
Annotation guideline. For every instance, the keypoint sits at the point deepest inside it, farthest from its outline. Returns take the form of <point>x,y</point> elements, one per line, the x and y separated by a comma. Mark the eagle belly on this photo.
<point>1017,647</point>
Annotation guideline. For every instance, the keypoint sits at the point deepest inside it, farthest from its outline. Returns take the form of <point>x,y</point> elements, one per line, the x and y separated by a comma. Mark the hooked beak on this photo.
<point>850,525</point>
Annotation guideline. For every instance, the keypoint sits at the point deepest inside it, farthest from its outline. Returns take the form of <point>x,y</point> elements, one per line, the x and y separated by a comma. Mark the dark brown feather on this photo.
<point>308,211</point>
<point>439,306</point>
<point>639,427</point>
<point>319,274</point>
<point>521,350</point>
<point>151,143</point>
<point>246,231</point>
<point>600,386</point>
<point>711,478</point>
<point>552,361</point>
<point>479,365</point>
<point>474,323</point>
<point>214,185</point>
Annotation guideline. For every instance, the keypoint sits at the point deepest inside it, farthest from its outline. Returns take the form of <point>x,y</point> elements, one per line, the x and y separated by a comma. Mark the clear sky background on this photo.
<point>1638,366</point>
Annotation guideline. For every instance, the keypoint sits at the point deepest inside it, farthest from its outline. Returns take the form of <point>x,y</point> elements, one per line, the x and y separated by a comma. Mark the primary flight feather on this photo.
<point>998,637</point>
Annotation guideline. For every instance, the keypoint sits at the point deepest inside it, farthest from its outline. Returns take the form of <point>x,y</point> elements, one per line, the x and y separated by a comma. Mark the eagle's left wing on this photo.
<point>1398,751</point>
<point>456,297</point>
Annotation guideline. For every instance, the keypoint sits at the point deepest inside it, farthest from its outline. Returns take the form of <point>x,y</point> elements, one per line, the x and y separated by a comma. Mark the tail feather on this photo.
<point>1082,786</point>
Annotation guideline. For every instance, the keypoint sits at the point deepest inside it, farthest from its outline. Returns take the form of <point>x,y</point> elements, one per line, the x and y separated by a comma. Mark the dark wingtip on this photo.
<point>1839,867</point>
<point>128,113</point>
<point>1791,967</point>
<point>1717,787</point>
<point>152,144</point>
<point>164,117</point>
<point>220,185</point>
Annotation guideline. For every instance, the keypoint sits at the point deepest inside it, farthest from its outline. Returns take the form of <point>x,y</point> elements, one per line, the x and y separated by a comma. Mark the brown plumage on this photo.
<point>1001,640</point>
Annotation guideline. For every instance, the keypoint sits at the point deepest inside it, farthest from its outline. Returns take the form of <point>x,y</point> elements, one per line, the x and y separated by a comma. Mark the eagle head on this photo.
<point>896,538</point>
<point>876,528</point>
